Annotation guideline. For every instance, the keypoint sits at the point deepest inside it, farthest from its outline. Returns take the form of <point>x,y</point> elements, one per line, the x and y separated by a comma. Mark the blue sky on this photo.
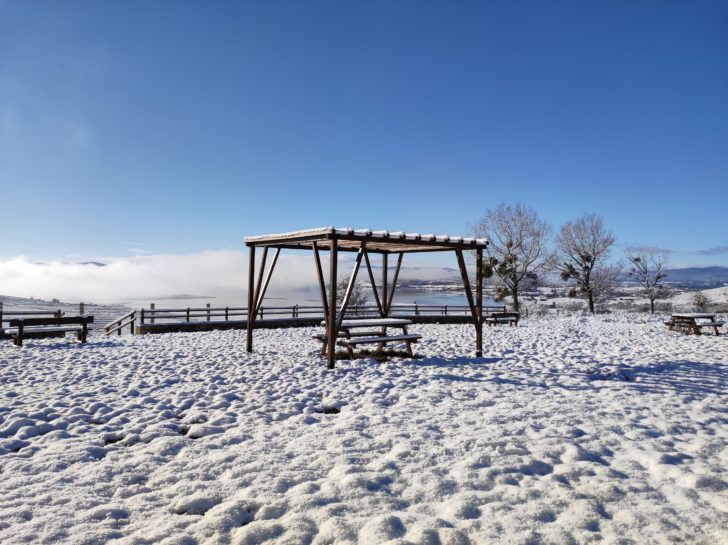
<point>178,127</point>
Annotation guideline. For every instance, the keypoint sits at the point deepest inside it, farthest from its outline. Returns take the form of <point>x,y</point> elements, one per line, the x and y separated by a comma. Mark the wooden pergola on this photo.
<point>363,242</point>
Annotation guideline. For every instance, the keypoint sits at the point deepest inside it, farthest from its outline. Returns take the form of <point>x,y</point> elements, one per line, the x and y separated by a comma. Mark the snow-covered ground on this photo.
<point>605,429</point>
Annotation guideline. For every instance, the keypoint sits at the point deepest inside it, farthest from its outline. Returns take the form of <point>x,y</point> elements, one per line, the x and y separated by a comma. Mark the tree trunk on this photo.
<point>591,301</point>
<point>514,294</point>
<point>652,306</point>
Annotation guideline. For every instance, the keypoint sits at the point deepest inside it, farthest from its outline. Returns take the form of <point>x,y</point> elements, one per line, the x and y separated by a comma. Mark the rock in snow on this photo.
<point>570,430</point>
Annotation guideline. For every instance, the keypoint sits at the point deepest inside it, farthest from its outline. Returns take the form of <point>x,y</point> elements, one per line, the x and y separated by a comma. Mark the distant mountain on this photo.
<point>698,277</point>
<point>98,264</point>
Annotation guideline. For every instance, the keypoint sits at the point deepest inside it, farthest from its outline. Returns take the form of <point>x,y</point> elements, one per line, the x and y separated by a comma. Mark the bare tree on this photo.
<point>700,301</point>
<point>583,246</point>
<point>649,269</point>
<point>357,297</point>
<point>605,281</point>
<point>517,253</point>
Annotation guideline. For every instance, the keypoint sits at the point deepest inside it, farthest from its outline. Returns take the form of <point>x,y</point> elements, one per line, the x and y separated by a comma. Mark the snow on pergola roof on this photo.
<point>349,239</point>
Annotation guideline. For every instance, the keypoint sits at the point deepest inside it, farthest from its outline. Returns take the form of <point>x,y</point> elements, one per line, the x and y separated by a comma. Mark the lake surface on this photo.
<point>300,297</point>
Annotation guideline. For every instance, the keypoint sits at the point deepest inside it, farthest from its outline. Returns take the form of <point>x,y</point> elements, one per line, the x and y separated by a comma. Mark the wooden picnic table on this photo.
<point>691,322</point>
<point>379,337</point>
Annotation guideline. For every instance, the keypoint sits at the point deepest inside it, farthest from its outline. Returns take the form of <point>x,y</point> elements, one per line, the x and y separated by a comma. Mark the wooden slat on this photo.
<point>380,339</point>
<point>63,320</point>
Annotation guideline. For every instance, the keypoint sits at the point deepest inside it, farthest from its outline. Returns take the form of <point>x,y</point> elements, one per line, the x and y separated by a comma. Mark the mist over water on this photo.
<point>301,297</point>
<point>178,281</point>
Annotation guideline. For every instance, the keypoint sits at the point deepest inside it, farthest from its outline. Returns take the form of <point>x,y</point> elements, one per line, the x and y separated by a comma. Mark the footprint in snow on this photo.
<point>197,504</point>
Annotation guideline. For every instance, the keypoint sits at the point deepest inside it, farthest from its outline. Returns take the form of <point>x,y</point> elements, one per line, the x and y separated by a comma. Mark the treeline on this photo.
<point>524,250</point>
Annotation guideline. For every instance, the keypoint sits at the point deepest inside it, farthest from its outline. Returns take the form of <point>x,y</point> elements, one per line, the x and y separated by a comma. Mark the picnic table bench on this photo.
<point>350,338</point>
<point>692,322</point>
<point>510,318</point>
<point>22,328</point>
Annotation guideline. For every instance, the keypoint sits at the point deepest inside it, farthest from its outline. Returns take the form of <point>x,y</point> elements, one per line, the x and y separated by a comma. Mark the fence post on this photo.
<point>208,311</point>
<point>81,308</point>
<point>226,314</point>
<point>417,310</point>
<point>141,321</point>
<point>131,324</point>
<point>151,307</point>
<point>1,313</point>
<point>445,310</point>
<point>188,314</point>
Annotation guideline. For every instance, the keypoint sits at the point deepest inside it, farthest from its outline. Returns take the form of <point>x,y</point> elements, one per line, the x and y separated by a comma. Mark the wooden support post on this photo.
<point>260,277</point>
<point>81,309</point>
<point>394,282</point>
<point>479,303</point>
<point>322,285</point>
<point>466,281</point>
<point>188,314</point>
<point>385,287</point>
<point>260,293</point>
<point>208,311</point>
<point>350,287</point>
<point>331,325</point>
<point>227,314</point>
<point>151,308</point>
<point>1,313</point>
<point>251,300</point>
<point>374,285</point>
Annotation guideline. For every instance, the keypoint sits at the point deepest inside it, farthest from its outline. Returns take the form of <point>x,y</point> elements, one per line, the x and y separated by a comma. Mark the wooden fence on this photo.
<point>138,319</point>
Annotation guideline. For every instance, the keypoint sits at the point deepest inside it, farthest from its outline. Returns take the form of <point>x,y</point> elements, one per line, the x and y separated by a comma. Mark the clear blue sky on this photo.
<point>176,127</point>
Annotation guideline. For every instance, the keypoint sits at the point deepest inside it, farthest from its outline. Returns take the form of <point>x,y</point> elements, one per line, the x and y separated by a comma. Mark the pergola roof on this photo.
<point>376,241</point>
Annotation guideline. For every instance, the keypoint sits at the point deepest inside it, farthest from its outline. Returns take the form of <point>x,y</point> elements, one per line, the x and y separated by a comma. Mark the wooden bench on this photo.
<point>321,337</point>
<point>510,318</point>
<point>408,339</point>
<point>23,328</point>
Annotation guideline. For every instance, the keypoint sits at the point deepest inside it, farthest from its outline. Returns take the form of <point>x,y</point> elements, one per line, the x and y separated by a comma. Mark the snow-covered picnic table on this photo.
<point>380,337</point>
<point>693,321</point>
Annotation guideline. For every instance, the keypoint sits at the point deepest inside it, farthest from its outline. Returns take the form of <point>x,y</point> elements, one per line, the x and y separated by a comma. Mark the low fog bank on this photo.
<point>218,273</point>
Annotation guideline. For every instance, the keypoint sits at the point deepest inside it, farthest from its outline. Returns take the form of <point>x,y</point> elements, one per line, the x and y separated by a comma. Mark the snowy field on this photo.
<point>606,429</point>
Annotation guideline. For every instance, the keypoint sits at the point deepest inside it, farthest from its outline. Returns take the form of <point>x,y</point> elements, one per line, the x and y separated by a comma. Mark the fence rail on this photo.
<point>7,315</point>
<point>119,324</point>
<point>208,313</point>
